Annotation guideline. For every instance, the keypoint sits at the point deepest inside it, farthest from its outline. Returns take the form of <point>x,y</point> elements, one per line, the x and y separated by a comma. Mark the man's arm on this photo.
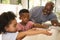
<point>53,19</point>
<point>55,23</point>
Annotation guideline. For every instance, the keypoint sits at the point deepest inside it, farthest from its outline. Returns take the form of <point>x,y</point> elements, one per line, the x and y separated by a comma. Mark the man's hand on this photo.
<point>55,23</point>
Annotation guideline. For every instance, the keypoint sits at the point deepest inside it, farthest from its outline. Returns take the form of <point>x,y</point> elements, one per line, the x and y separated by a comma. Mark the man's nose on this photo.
<point>26,18</point>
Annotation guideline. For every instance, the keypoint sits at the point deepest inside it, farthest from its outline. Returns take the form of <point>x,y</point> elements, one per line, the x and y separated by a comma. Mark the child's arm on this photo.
<point>40,25</point>
<point>21,35</point>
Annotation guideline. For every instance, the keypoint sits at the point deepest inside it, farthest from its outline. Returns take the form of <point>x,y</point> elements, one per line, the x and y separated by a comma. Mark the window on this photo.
<point>58,9</point>
<point>0,1</point>
<point>33,3</point>
<point>5,1</point>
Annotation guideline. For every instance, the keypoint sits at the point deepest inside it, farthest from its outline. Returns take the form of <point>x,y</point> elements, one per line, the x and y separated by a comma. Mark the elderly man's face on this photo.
<point>48,9</point>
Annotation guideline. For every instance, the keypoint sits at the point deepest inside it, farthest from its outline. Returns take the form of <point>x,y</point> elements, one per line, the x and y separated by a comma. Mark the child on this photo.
<point>9,31</point>
<point>26,24</point>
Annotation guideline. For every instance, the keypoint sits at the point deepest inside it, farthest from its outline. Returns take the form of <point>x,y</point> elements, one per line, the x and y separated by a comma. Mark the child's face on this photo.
<point>24,17</point>
<point>12,26</point>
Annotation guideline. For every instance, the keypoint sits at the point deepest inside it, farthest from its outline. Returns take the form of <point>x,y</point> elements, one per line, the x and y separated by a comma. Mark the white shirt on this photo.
<point>9,36</point>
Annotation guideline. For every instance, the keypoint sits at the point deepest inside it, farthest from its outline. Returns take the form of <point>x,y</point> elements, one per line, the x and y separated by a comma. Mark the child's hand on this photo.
<point>47,32</point>
<point>44,31</point>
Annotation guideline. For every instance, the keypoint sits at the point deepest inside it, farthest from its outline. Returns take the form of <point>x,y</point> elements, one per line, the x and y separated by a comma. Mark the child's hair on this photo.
<point>5,19</point>
<point>23,11</point>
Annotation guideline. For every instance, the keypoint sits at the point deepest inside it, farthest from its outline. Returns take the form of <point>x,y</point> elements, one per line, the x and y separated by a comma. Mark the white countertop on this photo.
<point>55,35</point>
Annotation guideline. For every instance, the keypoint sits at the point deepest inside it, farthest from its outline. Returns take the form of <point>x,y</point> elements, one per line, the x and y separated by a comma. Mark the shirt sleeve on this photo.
<point>52,17</point>
<point>19,28</point>
<point>32,12</point>
<point>30,24</point>
<point>35,13</point>
<point>9,36</point>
